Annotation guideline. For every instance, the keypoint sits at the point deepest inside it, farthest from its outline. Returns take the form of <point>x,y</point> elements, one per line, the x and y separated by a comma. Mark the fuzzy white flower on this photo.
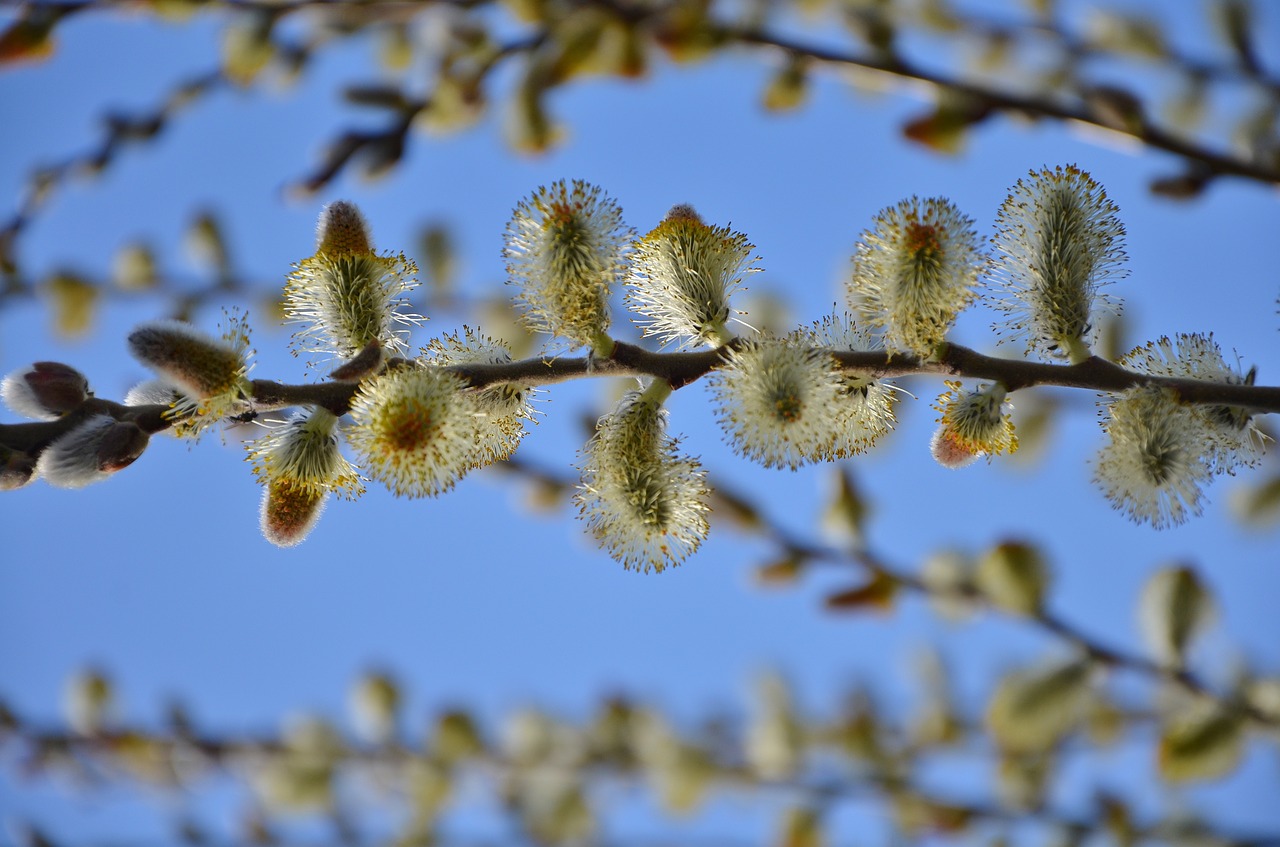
<point>300,464</point>
<point>776,398</point>
<point>973,424</point>
<point>1059,240</point>
<point>682,275</point>
<point>1234,437</point>
<point>1153,466</point>
<point>565,247</point>
<point>914,271</point>
<point>641,499</point>
<point>346,296</point>
<point>414,430</point>
<point>500,408</point>
<point>865,409</point>
<point>211,375</point>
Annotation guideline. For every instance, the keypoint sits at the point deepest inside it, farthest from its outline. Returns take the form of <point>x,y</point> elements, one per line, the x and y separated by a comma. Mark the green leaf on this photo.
<point>1173,609</point>
<point>1014,577</point>
<point>1034,709</point>
<point>1206,744</point>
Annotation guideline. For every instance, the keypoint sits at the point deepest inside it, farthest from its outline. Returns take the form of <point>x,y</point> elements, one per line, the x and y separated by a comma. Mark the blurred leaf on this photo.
<point>871,23</point>
<point>1235,22</point>
<point>784,571</point>
<point>937,723</point>
<point>88,701</point>
<point>74,303</point>
<point>1187,109</point>
<point>395,47</point>
<point>877,594</point>
<point>1173,609</point>
<point>206,244</point>
<point>247,47</point>
<point>1114,107</point>
<point>456,737</point>
<point>774,742</point>
<point>1022,779</point>
<point>686,33</point>
<point>947,576</point>
<point>1206,743</point>
<point>1105,722</point>
<point>29,37</point>
<point>789,87</point>
<point>1033,709</point>
<point>1135,35</point>
<point>845,517</point>
<point>1258,503</point>
<point>529,128</point>
<point>800,827</point>
<point>374,703</point>
<point>134,268</point>
<point>439,258</point>
<point>1014,577</point>
<point>946,127</point>
<point>454,105</point>
<point>1183,186</point>
<point>1116,818</point>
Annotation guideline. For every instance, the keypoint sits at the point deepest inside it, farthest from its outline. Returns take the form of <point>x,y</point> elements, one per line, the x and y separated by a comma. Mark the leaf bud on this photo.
<point>44,390</point>
<point>91,451</point>
<point>16,469</point>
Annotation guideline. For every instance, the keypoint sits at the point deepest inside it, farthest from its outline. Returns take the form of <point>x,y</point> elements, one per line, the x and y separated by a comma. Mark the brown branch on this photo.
<point>1206,161</point>
<point>680,369</point>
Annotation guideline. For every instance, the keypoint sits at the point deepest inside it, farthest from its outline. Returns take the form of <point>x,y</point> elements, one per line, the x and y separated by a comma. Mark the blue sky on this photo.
<point>161,577</point>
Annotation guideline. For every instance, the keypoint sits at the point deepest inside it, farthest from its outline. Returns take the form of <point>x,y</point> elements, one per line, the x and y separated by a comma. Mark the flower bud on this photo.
<point>1233,436</point>
<point>300,464</point>
<point>1059,240</point>
<point>915,271</point>
<point>565,248</point>
<point>1154,465</point>
<point>500,407</point>
<point>775,399</point>
<point>682,274</point>
<point>44,390</point>
<point>212,374</point>
<point>290,510</point>
<point>973,424</point>
<point>414,430</point>
<point>864,411</point>
<point>346,296</point>
<point>641,499</point>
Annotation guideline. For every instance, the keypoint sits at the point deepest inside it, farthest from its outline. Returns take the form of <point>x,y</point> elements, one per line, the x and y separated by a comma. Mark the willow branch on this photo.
<point>943,811</point>
<point>680,369</point>
<point>1209,162</point>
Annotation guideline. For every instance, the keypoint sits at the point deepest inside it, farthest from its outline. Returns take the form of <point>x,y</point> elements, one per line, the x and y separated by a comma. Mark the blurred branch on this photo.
<point>566,47</point>
<point>794,553</point>
<point>624,741</point>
